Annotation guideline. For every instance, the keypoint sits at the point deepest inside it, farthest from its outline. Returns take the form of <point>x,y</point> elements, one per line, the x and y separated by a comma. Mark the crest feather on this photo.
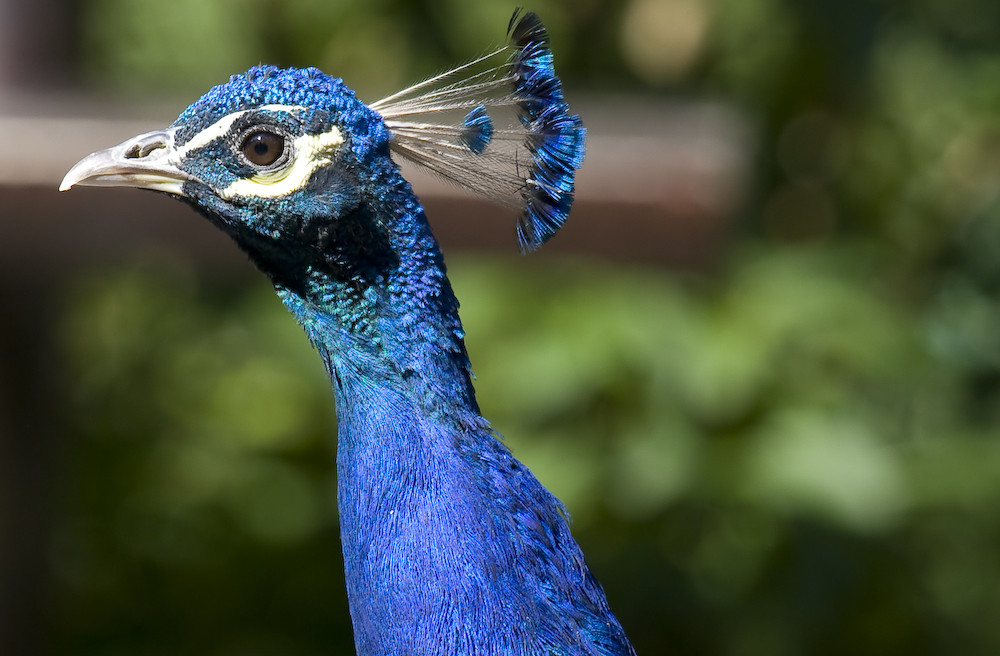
<point>451,124</point>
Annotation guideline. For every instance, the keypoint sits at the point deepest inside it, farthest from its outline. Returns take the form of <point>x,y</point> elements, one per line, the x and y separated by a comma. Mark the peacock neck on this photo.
<point>375,301</point>
<point>438,521</point>
<point>407,424</point>
<point>394,354</point>
<point>450,545</point>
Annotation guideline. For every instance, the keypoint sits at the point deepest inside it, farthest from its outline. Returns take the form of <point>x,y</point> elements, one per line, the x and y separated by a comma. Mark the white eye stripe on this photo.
<point>221,128</point>
<point>217,130</point>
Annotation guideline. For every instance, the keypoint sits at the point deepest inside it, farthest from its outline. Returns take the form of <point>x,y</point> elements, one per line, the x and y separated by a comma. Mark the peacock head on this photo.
<point>271,157</point>
<point>279,157</point>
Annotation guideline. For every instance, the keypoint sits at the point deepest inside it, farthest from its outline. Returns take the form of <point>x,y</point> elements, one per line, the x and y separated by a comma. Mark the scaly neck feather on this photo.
<point>451,546</point>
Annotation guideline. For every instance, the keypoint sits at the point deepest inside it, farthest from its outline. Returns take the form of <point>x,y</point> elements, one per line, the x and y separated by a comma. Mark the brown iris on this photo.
<point>263,148</point>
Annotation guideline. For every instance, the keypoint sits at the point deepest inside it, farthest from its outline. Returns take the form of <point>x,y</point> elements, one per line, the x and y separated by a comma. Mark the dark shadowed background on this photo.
<point>760,365</point>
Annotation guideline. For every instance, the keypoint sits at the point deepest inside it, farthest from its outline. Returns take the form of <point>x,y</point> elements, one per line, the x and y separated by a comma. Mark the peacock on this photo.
<point>450,544</point>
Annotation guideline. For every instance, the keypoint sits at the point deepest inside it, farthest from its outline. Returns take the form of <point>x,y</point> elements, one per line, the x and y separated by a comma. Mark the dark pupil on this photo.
<point>264,148</point>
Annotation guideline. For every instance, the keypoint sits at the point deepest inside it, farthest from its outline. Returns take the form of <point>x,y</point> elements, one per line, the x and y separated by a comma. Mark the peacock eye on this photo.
<point>263,148</point>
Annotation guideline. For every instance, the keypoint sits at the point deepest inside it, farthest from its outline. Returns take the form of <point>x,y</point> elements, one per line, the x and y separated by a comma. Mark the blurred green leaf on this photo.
<point>792,451</point>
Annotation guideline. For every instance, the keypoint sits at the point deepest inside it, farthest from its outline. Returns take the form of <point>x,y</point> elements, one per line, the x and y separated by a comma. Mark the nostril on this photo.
<point>146,145</point>
<point>140,151</point>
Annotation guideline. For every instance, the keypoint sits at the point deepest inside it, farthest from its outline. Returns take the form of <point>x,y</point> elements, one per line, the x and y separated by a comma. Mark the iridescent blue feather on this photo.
<point>478,129</point>
<point>555,136</point>
<point>490,160</point>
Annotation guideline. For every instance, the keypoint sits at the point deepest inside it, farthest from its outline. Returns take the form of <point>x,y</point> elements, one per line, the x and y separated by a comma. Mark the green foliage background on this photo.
<point>793,452</point>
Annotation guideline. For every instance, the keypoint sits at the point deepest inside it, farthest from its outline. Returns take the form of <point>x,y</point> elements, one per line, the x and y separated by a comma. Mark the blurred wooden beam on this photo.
<point>661,183</point>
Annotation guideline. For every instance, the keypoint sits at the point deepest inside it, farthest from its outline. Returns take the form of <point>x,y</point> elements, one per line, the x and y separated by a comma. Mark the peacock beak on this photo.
<point>147,161</point>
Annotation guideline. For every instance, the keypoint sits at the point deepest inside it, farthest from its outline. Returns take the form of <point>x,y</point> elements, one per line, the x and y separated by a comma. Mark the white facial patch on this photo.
<point>310,152</point>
